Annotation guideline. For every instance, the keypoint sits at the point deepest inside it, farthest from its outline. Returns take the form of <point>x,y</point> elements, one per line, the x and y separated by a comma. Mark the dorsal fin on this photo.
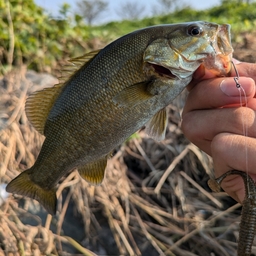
<point>75,64</point>
<point>40,103</point>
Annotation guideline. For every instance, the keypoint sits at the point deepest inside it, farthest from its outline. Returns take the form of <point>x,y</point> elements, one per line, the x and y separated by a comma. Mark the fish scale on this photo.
<point>110,94</point>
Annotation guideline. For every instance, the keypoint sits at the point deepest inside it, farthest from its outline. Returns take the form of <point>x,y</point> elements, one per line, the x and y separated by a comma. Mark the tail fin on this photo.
<point>23,185</point>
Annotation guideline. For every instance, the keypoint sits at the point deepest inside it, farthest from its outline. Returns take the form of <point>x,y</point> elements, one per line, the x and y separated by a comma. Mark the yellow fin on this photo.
<point>23,185</point>
<point>40,103</point>
<point>156,127</point>
<point>133,95</point>
<point>94,171</point>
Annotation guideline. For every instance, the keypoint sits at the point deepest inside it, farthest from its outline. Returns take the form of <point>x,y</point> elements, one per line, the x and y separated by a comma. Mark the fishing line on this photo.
<point>245,127</point>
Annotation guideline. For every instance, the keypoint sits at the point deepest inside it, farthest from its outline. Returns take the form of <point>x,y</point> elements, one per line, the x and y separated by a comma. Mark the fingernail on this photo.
<point>240,198</point>
<point>228,86</point>
<point>235,61</point>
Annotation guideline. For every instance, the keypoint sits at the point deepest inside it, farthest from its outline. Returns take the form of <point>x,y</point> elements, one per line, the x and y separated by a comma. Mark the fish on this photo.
<point>107,95</point>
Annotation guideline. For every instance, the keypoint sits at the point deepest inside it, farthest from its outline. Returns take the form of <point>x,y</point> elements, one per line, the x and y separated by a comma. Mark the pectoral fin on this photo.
<point>133,95</point>
<point>94,171</point>
<point>156,127</point>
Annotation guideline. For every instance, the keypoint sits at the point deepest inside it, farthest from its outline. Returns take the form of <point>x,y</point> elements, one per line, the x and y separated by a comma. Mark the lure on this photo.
<point>248,216</point>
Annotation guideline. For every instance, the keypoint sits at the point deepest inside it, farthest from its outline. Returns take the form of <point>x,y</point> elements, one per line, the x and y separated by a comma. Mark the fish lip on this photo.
<point>219,62</point>
<point>224,44</point>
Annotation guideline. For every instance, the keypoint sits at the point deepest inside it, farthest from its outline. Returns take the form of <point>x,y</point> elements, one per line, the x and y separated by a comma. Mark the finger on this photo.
<point>201,126</point>
<point>200,74</point>
<point>219,92</point>
<point>243,69</point>
<point>232,151</point>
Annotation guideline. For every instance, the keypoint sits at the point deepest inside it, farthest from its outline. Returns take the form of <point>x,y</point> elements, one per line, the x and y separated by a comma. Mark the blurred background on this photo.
<point>114,10</point>
<point>154,199</point>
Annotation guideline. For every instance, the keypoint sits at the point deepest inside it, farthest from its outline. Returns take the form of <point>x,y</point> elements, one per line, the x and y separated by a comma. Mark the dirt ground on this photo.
<point>154,200</point>
<point>245,47</point>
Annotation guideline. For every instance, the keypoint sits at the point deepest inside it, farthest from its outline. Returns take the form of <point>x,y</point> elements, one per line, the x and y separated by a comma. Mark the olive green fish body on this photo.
<point>113,94</point>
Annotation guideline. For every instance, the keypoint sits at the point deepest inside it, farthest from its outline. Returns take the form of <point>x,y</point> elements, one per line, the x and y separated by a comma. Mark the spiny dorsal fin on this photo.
<point>75,64</point>
<point>40,103</point>
<point>156,127</point>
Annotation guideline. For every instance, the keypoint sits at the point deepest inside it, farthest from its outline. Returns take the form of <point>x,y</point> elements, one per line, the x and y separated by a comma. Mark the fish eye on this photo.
<point>195,31</point>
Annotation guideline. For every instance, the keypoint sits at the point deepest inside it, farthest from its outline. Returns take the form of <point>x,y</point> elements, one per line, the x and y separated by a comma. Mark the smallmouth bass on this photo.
<point>110,94</point>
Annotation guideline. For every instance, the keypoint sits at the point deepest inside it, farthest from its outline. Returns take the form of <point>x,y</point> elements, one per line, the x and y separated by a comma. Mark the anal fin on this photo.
<point>24,186</point>
<point>156,126</point>
<point>94,172</point>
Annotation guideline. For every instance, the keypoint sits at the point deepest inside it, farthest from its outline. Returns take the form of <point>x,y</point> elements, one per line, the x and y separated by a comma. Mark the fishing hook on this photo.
<point>236,78</point>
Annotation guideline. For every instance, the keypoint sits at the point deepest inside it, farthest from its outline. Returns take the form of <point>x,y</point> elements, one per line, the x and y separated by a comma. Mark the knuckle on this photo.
<point>219,145</point>
<point>246,117</point>
<point>188,126</point>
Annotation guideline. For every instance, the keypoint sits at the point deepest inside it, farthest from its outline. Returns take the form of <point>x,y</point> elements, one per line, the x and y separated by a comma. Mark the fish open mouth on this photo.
<point>162,71</point>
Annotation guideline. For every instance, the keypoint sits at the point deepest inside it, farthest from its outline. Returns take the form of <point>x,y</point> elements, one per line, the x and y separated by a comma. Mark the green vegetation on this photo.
<point>30,36</point>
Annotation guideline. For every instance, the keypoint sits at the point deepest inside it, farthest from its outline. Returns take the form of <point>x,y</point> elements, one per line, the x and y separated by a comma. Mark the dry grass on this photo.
<point>153,201</point>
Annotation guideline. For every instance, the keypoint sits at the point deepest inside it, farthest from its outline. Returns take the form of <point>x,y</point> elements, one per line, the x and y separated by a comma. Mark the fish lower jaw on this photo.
<point>156,70</point>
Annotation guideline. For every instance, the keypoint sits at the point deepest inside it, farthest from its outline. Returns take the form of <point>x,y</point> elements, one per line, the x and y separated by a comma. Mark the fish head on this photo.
<point>180,49</point>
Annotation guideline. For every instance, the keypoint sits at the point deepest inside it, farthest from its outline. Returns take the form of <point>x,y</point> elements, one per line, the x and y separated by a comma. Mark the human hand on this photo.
<point>214,120</point>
